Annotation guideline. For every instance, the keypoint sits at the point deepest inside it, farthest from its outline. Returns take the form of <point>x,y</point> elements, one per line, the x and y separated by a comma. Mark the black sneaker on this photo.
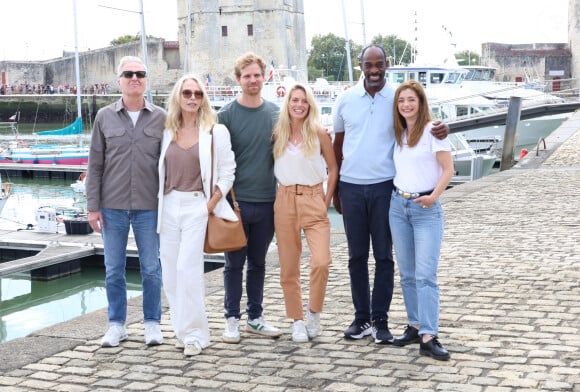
<point>410,336</point>
<point>434,349</point>
<point>381,332</point>
<point>358,329</point>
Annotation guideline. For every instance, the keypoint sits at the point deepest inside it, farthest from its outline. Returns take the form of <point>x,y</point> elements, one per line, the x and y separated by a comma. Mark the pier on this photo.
<point>508,277</point>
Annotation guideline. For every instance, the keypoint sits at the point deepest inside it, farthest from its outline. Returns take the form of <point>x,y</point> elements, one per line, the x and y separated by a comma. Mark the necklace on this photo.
<point>295,136</point>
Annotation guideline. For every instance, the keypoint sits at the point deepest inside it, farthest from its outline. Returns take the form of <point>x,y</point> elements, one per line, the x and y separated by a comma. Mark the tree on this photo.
<point>126,39</point>
<point>398,50</point>
<point>468,57</point>
<point>328,57</point>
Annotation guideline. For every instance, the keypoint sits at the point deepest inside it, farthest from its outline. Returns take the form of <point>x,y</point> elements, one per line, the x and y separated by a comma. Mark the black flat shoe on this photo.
<point>434,349</point>
<point>410,336</point>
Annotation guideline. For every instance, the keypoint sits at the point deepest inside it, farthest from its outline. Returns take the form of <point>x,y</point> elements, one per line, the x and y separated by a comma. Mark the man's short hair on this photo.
<point>129,59</point>
<point>247,59</point>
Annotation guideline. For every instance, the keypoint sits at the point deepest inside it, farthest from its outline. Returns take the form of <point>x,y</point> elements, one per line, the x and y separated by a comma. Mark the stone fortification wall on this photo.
<point>97,67</point>
<point>543,61</point>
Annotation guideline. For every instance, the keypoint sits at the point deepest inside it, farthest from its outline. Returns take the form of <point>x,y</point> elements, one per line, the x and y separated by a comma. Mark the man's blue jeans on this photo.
<point>258,220</point>
<point>365,212</point>
<point>417,235</point>
<point>115,236</point>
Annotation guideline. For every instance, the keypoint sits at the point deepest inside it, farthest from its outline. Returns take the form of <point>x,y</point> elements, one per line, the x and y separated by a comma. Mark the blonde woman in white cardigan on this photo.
<point>185,202</point>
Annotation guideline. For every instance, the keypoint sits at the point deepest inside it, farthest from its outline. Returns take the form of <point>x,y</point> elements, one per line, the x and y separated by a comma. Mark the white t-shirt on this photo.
<point>417,169</point>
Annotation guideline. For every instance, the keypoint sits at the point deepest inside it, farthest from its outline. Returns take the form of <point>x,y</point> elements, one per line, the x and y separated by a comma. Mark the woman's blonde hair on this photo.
<point>423,116</point>
<point>206,115</point>
<point>309,129</point>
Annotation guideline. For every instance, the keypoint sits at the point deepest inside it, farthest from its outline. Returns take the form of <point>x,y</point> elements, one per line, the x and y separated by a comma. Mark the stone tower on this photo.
<point>222,30</point>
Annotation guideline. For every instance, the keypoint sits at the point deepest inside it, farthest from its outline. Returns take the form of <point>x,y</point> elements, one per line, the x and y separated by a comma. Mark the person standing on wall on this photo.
<point>424,167</point>
<point>363,145</point>
<point>122,184</point>
<point>185,200</point>
<point>302,155</point>
<point>250,120</point>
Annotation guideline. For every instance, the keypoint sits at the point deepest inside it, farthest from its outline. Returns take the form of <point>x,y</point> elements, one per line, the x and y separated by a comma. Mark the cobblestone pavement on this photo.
<point>510,311</point>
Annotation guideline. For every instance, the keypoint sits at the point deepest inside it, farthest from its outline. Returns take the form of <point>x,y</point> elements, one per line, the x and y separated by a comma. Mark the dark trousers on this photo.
<point>258,220</point>
<point>365,211</point>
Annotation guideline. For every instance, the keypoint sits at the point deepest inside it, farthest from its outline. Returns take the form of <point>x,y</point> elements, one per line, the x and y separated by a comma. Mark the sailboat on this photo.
<point>18,151</point>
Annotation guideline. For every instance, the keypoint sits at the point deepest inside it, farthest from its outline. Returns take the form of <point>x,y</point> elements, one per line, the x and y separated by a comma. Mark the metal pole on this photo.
<point>348,60</point>
<point>187,38</point>
<point>77,66</point>
<point>509,140</point>
<point>362,15</point>
<point>144,49</point>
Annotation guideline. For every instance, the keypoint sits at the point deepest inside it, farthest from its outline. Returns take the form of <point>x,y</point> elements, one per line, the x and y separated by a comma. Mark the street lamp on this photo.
<point>143,42</point>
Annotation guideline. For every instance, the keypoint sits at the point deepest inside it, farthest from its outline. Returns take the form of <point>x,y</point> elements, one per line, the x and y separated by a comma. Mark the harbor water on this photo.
<point>28,305</point>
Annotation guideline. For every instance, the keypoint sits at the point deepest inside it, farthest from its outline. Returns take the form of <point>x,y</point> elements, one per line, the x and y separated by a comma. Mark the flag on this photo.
<point>271,75</point>
<point>208,80</point>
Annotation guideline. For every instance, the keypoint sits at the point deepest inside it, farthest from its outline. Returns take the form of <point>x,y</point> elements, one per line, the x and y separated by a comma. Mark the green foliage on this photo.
<point>468,57</point>
<point>126,39</point>
<point>328,58</point>
<point>398,51</point>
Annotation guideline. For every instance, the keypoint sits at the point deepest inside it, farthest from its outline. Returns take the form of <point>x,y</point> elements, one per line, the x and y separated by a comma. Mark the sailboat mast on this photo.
<point>187,38</point>
<point>362,17</point>
<point>348,60</point>
<point>144,49</point>
<point>77,66</point>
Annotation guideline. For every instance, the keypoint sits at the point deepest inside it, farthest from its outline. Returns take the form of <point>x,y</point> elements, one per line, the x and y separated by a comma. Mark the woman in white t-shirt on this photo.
<point>424,167</point>
<point>303,160</point>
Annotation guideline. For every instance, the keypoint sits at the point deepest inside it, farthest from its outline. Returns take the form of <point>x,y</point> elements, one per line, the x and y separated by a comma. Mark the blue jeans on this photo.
<point>417,235</point>
<point>258,220</point>
<point>365,212</point>
<point>115,235</point>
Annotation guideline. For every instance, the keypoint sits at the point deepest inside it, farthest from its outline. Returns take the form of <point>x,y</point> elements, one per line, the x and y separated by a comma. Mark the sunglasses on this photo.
<point>188,93</point>
<point>130,74</point>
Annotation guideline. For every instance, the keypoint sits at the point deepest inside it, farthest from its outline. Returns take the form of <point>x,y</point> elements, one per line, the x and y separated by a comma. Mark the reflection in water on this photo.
<point>30,305</point>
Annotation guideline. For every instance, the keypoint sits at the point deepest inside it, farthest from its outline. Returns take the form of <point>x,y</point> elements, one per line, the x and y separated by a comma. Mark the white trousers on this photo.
<point>183,226</point>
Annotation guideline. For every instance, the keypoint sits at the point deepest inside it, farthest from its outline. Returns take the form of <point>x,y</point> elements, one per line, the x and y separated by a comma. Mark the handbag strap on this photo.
<point>232,193</point>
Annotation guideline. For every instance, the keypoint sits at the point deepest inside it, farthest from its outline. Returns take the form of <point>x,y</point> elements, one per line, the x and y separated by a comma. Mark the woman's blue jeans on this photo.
<point>417,234</point>
<point>115,236</point>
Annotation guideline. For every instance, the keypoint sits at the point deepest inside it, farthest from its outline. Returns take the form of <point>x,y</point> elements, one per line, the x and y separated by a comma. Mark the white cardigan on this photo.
<point>224,169</point>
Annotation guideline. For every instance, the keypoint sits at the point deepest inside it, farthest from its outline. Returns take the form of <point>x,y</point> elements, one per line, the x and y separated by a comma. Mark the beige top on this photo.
<point>182,169</point>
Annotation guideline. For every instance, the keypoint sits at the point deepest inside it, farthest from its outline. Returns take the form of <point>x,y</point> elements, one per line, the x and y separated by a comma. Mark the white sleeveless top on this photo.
<point>294,168</point>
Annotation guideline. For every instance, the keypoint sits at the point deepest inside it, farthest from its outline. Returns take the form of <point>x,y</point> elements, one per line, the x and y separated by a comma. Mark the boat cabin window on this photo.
<point>437,78</point>
<point>398,77</point>
<point>326,110</point>
<point>422,78</point>
<point>454,78</point>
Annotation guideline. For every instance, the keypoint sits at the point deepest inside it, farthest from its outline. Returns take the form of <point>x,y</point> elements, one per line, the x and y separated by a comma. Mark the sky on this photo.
<point>43,29</point>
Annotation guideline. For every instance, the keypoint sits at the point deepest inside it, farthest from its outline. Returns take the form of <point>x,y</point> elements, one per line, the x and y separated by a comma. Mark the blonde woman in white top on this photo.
<point>185,200</point>
<point>303,160</point>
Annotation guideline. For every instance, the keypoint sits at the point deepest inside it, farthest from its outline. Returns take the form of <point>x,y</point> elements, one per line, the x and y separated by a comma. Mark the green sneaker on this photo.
<point>260,327</point>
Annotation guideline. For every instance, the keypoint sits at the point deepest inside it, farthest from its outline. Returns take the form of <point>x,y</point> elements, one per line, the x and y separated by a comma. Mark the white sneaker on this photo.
<point>312,323</point>
<point>115,334</point>
<point>232,331</point>
<point>299,333</point>
<point>260,327</point>
<point>153,336</point>
<point>192,349</point>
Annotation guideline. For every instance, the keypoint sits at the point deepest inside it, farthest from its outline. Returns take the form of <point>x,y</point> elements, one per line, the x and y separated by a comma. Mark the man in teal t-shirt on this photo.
<point>250,120</point>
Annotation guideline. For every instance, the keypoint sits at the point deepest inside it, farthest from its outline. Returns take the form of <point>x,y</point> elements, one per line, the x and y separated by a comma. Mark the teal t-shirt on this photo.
<point>251,136</point>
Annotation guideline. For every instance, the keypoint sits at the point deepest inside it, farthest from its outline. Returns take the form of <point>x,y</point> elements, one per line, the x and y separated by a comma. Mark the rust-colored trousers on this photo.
<point>301,208</point>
